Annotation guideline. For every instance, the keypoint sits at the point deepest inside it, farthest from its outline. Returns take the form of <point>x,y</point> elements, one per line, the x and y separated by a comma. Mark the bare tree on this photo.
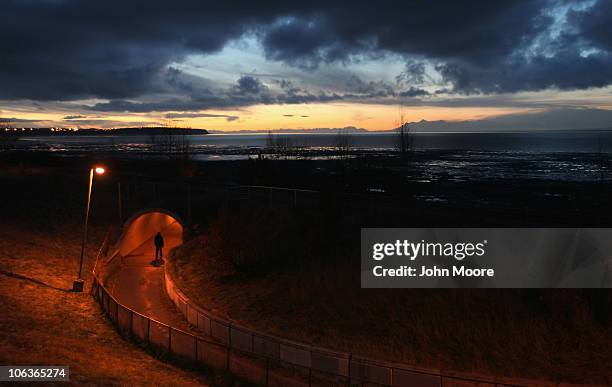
<point>7,136</point>
<point>184,148</point>
<point>4,122</point>
<point>343,143</point>
<point>602,159</point>
<point>270,142</point>
<point>404,137</point>
<point>279,145</point>
<point>171,140</point>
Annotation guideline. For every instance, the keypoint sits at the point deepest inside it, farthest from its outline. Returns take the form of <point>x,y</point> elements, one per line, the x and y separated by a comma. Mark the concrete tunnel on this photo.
<point>132,280</point>
<point>140,229</point>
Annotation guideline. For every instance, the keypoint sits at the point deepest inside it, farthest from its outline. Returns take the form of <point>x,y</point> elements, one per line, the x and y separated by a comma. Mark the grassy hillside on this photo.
<point>41,322</point>
<point>279,272</point>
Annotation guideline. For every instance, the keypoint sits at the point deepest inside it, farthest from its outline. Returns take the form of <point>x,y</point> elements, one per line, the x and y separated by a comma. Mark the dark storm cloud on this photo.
<point>596,24</point>
<point>247,91</point>
<point>414,74</point>
<point>477,30</point>
<point>565,71</point>
<point>580,57</point>
<point>110,49</point>
<point>122,51</point>
<point>369,88</point>
<point>202,115</point>
<point>249,85</point>
<point>413,92</point>
<point>17,120</point>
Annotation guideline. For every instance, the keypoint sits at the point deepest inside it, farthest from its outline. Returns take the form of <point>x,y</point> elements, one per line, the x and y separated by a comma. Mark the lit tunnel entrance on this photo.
<point>131,277</point>
<point>140,229</point>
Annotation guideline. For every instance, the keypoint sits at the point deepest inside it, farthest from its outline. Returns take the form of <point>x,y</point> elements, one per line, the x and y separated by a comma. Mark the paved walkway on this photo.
<point>140,286</point>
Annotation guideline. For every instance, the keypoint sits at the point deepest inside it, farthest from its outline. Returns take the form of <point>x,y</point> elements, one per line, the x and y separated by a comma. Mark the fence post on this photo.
<point>119,204</point>
<point>189,203</point>
<point>295,198</point>
<point>229,346</point>
<point>107,306</point>
<point>227,359</point>
<point>309,376</point>
<point>350,357</point>
<point>169,340</point>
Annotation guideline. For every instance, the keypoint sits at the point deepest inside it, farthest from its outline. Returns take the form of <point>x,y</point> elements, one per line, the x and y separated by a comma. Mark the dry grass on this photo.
<point>42,323</point>
<point>486,331</point>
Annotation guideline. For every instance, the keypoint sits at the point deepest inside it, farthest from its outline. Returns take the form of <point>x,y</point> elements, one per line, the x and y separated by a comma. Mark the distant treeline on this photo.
<point>138,131</point>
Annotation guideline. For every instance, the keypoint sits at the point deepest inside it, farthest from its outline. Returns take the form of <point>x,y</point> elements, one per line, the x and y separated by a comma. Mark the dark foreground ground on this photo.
<point>41,321</point>
<point>43,324</point>
<point>239,253</point>
<point>555,335</point>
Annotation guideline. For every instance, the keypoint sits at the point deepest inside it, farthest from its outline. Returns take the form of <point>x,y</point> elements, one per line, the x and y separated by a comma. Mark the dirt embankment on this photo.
<point>41,322</point>
<point>311,293</point>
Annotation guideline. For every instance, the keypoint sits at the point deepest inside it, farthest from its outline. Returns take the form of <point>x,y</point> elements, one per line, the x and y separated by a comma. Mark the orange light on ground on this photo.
<point>100,170</point>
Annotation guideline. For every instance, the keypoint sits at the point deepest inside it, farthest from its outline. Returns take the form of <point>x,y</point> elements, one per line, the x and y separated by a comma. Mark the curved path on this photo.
<point>140,286</point>
<point>132,279</point>
<point>136,284</point>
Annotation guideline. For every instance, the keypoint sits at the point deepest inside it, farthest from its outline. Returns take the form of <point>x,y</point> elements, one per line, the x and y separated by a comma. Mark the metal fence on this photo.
<point>308,365</point>
<point>275,195</point>
<point>261,358</point>
<point>255,357</point>
<point>209,352</point>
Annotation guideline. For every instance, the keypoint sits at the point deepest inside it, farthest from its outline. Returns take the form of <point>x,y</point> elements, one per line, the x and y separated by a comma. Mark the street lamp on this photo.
<point>77,286</point>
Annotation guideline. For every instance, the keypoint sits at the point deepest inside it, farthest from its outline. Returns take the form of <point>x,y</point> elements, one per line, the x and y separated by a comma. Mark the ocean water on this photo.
<point>562,156</point>
<point>236,144</point>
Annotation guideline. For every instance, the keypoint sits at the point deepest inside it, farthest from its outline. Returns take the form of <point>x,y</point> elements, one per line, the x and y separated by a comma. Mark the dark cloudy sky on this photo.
<point>264,64</point>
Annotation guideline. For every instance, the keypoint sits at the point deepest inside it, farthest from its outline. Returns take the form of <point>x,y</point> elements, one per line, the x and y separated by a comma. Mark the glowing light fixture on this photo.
<point>100,170</point>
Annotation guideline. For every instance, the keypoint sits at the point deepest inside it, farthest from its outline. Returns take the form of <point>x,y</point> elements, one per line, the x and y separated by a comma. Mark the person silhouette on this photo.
<point>159,246</point>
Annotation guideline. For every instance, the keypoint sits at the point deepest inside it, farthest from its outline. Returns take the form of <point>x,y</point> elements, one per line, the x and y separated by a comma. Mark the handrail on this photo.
<point>266,359</point>
<point>102,247</point>
<point>346,366</point>
<point>274,188</point>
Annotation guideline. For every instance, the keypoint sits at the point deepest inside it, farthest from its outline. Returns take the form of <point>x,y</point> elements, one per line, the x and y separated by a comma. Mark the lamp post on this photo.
<point>77,286</point>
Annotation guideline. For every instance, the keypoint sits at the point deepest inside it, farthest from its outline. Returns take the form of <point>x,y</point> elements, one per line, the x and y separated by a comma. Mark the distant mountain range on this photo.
<point>551,119</point>
<point>346,129</point>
